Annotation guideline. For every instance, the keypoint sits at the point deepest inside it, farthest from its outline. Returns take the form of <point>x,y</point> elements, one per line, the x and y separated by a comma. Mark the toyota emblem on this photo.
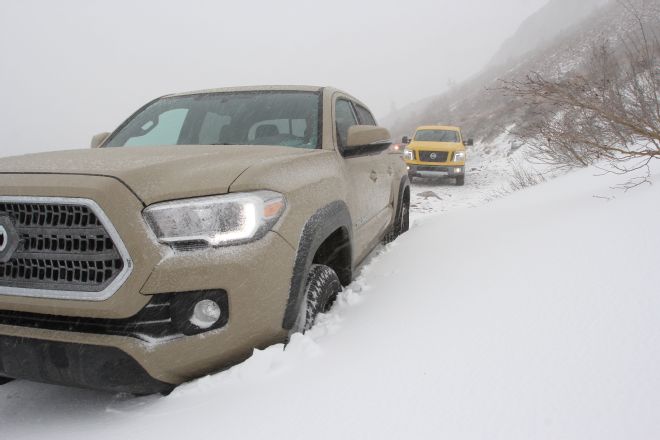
<point>3,238</point>
<point>9,239</point>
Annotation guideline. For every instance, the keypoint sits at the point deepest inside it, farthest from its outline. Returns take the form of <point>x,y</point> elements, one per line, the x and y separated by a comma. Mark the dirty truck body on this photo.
<point>133,267</point>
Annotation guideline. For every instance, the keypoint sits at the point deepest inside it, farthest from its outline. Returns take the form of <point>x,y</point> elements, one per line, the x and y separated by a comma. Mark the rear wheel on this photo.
<point>401,220</point>
<point>321,290</point>
<point>460,181</point>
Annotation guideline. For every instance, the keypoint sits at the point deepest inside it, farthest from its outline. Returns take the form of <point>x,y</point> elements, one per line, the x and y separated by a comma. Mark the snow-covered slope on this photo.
<point>533,316</point>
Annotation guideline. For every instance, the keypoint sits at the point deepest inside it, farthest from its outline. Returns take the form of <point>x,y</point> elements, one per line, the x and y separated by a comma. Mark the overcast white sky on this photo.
<point>70,69</point>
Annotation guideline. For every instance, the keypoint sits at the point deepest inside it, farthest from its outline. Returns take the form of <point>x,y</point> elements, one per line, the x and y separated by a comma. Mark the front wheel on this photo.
<point>321,290</point>
<point>460,180</point>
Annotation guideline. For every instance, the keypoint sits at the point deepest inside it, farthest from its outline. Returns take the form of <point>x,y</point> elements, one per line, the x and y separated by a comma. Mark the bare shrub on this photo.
<point>609,110</point>
<point>524,177</point>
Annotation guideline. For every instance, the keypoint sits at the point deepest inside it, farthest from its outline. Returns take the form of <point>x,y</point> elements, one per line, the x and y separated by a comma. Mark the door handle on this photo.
<point>373,176</point>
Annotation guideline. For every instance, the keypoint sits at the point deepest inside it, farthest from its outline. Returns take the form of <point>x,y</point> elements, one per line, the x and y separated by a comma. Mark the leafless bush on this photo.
<point>607,111</point>
<point>524,177</point>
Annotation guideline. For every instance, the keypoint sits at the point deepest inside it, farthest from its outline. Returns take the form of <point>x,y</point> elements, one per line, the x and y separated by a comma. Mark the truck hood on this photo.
<point>437,146</point>
<point>156,173</point>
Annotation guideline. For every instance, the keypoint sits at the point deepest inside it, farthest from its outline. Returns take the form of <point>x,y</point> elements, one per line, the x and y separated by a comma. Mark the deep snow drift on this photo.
<point>534,316</point>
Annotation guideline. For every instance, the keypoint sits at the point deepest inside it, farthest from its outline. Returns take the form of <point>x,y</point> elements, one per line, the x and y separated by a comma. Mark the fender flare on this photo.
<point>317,229</point>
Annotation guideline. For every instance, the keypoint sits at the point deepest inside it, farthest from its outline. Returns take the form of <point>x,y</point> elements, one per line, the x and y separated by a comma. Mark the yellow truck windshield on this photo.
<point>437,136</point>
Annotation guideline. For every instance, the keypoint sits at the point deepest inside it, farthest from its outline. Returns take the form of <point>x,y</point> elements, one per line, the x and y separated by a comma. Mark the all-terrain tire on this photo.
<point>321,290</point>
<point>460,181</point>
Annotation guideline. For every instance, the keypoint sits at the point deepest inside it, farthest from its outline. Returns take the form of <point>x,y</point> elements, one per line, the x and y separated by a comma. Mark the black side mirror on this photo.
<point>405,140</point>
<point>469,143</point>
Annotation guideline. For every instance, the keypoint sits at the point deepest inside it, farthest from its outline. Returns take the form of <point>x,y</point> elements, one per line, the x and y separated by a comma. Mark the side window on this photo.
<point>365,116</point>
<point>344,119</point>
<point>165,131</point>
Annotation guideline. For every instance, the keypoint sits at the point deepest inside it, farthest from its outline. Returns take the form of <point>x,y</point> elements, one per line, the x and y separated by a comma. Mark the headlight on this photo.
<point>408,154</point>
<point>459,156</point>
<point>216,221</point>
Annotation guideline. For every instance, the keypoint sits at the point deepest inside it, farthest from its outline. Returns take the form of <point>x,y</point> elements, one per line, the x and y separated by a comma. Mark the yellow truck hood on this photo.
<point>437,146</point>
<point>155,173</point>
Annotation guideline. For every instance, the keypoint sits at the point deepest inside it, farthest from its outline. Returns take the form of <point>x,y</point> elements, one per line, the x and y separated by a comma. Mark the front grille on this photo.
<point>433,156</point>
<point>64,249</point>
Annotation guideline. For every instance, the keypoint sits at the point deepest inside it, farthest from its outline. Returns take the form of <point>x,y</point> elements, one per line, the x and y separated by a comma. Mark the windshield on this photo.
<point>437,136</point>
<point>285,118</point>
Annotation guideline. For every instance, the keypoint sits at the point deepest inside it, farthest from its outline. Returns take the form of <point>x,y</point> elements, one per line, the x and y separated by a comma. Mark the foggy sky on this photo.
<point>70,69</point>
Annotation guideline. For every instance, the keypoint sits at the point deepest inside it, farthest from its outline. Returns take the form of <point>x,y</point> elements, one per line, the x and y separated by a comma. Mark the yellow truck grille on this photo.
<point>433,156</point>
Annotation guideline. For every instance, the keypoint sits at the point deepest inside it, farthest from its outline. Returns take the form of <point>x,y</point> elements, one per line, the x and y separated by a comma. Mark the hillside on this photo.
<point>481,108</point>
<point>543,26</point>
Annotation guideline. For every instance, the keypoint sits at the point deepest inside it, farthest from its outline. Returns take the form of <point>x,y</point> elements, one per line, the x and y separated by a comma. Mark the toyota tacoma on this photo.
<point>207,225</point>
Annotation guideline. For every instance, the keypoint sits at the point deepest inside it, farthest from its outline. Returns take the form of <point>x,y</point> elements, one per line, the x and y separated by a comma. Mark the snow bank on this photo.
<point>535,316</point>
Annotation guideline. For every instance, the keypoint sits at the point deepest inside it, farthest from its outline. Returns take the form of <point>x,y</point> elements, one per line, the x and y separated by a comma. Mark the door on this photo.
<point>364,198</point>
<point>384,164</point>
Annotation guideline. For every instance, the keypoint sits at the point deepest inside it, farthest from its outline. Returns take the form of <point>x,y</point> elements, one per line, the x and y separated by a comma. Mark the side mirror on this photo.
<point>405,140</point>
<point>98,139</point>
<point>366,139</point>
<point>469,143</point>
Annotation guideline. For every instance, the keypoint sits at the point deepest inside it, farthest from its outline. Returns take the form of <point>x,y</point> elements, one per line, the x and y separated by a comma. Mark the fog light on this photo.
<point>458,170</point>
<point>205,314</point>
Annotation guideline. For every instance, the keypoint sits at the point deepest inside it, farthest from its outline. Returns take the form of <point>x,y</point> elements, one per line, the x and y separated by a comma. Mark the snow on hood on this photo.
<point>155,173</point>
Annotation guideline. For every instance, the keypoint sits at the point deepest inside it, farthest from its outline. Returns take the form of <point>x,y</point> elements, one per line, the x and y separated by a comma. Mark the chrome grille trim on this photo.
<point>80,295</point>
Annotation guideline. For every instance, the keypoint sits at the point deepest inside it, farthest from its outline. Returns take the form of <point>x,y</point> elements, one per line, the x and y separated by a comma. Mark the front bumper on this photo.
<point>444,170</point>
<point>65,363</point>
<point>257,287</point>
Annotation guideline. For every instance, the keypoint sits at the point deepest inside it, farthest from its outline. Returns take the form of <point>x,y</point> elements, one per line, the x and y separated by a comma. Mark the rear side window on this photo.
<point>344,119</point>
<point>365,116</point>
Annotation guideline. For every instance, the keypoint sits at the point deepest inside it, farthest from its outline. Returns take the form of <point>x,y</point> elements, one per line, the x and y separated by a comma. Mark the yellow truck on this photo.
<point>436,151</point>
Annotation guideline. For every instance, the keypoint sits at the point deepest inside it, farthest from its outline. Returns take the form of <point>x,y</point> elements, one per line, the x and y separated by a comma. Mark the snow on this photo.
<point>531,314</point>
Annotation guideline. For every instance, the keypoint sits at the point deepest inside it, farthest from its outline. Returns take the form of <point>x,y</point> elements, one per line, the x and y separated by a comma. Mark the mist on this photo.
<point>71,69</point>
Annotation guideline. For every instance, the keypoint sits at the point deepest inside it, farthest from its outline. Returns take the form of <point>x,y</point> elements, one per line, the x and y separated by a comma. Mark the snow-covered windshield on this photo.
<point>437,136</point>
<point>285,118</point>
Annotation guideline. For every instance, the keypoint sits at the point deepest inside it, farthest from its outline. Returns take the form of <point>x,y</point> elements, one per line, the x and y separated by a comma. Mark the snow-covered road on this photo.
<point>534,316</point>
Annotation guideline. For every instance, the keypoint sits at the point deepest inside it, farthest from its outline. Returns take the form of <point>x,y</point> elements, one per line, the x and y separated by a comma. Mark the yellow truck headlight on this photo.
<point>459,156</point>
<point>408,154</point>
<point>216,221</point>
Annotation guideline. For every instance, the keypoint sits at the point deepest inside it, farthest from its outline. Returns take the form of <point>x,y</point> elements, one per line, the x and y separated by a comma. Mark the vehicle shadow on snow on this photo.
<point>22,402</point>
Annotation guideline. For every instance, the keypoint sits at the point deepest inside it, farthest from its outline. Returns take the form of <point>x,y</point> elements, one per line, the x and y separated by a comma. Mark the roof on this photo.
<point>252,88</point>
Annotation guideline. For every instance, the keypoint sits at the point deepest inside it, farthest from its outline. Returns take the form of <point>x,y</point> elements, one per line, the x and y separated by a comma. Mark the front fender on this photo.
<point>317,229</point>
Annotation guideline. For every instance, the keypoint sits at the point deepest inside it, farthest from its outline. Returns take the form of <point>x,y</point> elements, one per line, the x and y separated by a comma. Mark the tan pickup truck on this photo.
<point>208,224</point>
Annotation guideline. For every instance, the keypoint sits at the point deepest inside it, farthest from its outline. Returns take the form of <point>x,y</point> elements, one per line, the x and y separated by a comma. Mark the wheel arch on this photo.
<point>330,226</point>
